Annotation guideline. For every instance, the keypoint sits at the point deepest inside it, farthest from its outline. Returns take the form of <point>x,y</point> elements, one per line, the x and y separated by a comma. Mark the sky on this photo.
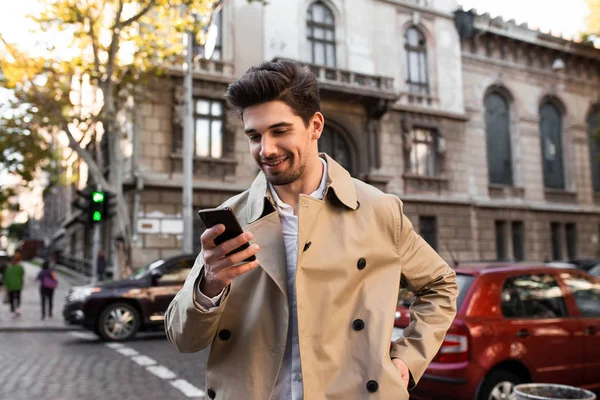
<point>559,16</point>
<point>566,16</point>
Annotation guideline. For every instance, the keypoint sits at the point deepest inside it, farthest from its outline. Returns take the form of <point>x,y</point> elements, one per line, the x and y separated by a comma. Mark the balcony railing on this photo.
<point>351,82</point>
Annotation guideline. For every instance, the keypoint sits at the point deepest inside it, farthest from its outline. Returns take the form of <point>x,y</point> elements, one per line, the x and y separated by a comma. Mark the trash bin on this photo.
<point>548,391</point>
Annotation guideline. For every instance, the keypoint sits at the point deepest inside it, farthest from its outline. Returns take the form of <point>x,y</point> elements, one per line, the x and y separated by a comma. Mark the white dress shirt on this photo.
<point>289,382</point>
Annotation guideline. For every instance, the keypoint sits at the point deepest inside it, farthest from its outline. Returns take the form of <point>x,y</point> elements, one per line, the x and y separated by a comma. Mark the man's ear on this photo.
<point>316,125</point>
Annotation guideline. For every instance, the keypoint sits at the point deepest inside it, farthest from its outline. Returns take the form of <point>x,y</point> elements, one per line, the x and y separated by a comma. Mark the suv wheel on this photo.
<point>118,322</point>
<point>498,385</point>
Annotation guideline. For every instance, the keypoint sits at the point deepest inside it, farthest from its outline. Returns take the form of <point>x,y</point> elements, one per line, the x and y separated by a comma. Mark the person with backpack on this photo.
<point>48,282</point>
<point>13,281</point>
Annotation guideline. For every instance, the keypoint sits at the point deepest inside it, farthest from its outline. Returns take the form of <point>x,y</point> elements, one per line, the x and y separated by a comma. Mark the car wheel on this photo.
<point>498,385</point>
<point>118,322</point>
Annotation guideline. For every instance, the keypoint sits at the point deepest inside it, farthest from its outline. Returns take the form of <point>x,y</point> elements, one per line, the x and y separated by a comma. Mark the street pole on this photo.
<point>95,247</point>
<point>188,149</point>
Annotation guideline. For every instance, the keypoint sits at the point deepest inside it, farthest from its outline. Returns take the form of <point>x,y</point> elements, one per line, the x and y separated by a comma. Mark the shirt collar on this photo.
<point>317,194</point>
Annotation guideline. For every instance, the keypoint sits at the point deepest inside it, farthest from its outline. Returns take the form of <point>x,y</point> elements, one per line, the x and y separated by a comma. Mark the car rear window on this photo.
<point>464,281</point>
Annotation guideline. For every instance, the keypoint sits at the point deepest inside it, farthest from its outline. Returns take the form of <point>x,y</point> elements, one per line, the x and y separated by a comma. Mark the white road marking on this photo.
<point>143,361</point>
<point>83,335</point>
<point>187,388</point>
<point>127,351</point>
<point>162,372</point>
<point>182,385</point>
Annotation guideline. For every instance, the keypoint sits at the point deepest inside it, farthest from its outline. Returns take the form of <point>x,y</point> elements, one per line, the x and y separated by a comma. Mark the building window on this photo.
<point>500,232</point>
<point>551,138</point>
<point>518,239</point>
<point>320,24</point>
<point>208,128</point>
<point>571,240</point>
<point>415,46</point>
<point>594,134</point>
<point>428,230</point>
<point>423,152</point>
<point>555,241</point>
<point>336,146</point>
<point>497,128</point>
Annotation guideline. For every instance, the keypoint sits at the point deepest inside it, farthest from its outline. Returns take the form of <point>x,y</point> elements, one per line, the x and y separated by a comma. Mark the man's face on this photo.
<point>279,141</point>
<point>17,257</point>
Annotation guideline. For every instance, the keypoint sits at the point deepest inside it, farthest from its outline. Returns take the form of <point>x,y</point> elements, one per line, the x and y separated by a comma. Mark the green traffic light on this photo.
<point>97,197</point>
<point>97,216</point>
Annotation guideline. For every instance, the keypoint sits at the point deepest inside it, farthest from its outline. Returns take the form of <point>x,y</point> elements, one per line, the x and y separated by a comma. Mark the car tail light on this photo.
<point>455,347</point>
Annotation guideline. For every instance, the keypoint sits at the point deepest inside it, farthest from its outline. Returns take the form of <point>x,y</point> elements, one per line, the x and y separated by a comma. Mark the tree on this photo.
<point>110,47</point>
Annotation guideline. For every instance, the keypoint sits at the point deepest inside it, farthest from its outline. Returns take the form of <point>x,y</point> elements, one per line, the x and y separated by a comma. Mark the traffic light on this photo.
<point>97,206</point>
<point>96,212</point>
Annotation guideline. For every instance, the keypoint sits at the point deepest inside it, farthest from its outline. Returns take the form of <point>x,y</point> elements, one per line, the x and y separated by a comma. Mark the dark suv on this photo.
<point>115,311</point>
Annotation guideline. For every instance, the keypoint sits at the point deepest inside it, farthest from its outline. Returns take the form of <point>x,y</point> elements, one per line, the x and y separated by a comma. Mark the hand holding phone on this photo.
<point>226,250</point>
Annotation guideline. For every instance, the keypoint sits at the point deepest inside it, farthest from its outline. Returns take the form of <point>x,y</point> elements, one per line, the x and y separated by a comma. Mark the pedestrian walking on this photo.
<point>312,316</point>
<point>101,265</point>
<point>48,282</point>
<point>13,281</point>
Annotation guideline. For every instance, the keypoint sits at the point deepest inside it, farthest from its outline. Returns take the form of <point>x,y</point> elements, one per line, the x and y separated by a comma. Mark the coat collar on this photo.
<point>338,180</point>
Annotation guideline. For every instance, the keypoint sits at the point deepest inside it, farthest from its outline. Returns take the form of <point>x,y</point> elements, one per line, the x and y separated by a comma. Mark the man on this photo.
<point>13,281</point>
<point>312,316</point>
<point>101,265</point>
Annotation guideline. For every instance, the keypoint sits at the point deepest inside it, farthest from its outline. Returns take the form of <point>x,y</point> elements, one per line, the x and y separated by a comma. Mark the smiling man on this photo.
<point>312,316</point>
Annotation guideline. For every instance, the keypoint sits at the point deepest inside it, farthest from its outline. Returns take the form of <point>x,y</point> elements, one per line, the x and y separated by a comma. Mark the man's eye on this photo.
<point>279,132</point>
<point>254,138</point>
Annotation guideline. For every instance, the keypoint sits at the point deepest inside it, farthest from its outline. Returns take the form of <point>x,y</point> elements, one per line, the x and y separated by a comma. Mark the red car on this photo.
<point>515,323</point>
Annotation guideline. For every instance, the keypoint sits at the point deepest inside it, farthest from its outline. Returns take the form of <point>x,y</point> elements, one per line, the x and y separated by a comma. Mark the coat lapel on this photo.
<point>267,233</point>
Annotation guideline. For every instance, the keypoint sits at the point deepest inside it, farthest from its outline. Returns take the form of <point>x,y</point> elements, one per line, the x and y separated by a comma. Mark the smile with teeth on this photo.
<point>274,163</point>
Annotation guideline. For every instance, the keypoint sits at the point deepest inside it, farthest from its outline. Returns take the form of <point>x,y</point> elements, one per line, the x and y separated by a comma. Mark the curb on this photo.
<point>16,329</point>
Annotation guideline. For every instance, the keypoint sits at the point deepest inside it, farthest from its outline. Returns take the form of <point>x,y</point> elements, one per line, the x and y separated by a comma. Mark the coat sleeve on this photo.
<point>433,282</point>
<point>188,327</point>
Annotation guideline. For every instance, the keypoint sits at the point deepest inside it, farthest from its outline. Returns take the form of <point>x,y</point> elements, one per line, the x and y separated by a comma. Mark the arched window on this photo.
<point>337,147</point>
<point>417,77</point>
<point>497,129</point>
<point>320,24</point>
<point>552,152</point>
<point>594,134</point>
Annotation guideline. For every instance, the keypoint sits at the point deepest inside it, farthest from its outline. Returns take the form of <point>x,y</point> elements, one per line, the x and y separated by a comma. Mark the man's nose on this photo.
<point>268,147</point>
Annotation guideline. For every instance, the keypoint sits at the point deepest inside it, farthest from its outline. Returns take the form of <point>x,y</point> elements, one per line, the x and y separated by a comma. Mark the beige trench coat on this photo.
<point>354,248</point>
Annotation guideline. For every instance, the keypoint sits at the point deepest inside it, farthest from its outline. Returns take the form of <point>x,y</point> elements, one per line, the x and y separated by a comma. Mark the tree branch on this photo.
<point>112,54</point>
<point>94,44</point>
<point>139,15</point>
<point>89,160</point>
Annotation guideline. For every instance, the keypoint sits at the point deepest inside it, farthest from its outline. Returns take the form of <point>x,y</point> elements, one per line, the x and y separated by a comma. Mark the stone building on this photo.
<point>444,108</point>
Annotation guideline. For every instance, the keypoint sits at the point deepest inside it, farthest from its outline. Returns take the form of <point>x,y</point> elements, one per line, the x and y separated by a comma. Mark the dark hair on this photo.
<point>45,265</point>
<point>283,80</point>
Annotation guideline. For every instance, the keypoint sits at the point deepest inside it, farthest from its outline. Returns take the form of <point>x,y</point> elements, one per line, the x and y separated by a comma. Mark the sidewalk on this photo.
<point>31,310</point>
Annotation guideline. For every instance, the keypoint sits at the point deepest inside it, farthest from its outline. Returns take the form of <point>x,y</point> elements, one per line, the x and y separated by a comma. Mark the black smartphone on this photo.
<point>215,216</point>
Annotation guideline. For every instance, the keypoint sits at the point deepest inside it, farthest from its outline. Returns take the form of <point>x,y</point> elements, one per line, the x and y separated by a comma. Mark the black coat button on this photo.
<point>307,246</point>
<point>372,386</point>
<point>358,324</point>
<point>362,263</point>
<point>224,334</point>
<point>211,393</point>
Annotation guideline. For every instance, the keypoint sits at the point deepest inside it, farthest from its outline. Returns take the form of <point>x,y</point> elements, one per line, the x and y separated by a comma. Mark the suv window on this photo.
<point>533,296</point>
<point>177,271</point>
<point>586,293</point>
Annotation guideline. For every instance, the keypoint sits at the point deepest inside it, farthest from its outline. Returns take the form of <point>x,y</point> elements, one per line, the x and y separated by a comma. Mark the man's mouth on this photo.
<point>274,163</point>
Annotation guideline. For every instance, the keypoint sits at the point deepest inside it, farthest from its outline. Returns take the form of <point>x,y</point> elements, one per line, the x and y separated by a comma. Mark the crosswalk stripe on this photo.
<point>161,372</point>
<point>128,351</point>
<point>187,388</point>
<point>143,360</point>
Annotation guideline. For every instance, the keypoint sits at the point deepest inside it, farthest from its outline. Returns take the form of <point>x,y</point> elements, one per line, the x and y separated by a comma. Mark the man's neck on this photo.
<point>309,182</point>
